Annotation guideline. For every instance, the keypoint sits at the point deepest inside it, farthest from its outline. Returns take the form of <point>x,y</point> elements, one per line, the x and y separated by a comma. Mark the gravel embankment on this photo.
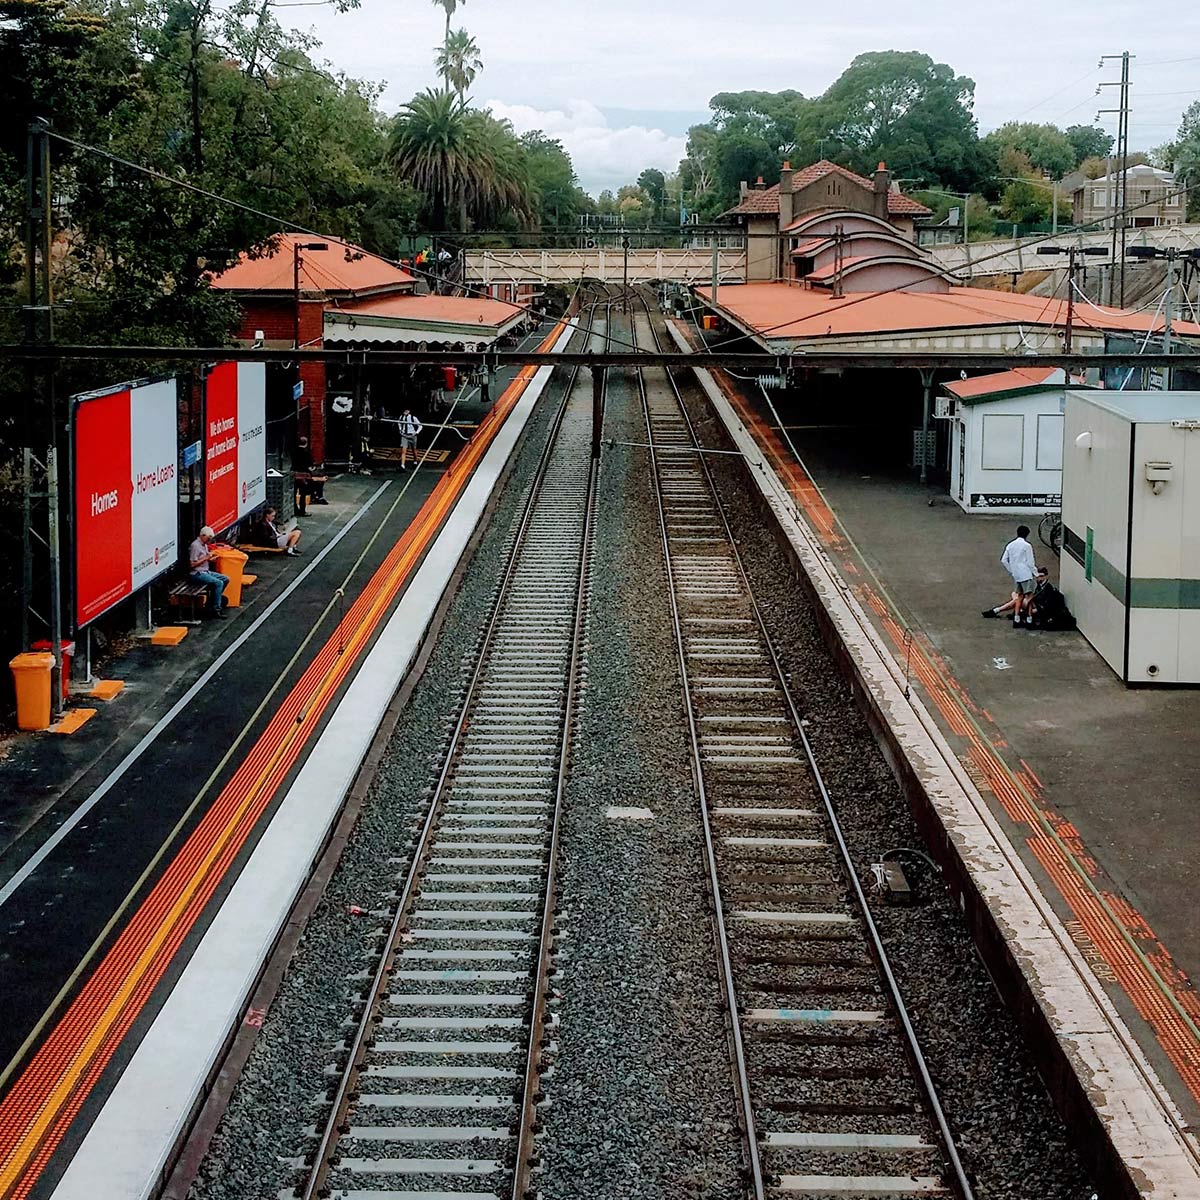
<point>274,1101</point>
<point>1013,1143</point>
<point>641,1100</point>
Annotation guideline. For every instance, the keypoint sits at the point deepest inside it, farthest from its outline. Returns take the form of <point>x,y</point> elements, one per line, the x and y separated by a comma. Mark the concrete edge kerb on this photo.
<point>132,1140</point>
<point>1155,1155</point>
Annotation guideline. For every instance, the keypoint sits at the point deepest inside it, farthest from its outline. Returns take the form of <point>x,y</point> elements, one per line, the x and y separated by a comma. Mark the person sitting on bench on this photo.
<point>308,485</point>
<point>199,556</point>
<point>266,533</point>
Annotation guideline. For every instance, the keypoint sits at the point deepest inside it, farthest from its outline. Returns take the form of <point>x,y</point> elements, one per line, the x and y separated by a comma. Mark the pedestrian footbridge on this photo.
<point>606,265</point>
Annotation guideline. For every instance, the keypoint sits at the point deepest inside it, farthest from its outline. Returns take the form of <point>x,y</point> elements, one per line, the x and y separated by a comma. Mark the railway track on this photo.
<point>436,1090</point>
<point>835,1096</point>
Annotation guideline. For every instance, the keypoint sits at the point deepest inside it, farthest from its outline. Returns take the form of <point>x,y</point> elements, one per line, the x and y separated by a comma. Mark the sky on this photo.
<point>620,82</point>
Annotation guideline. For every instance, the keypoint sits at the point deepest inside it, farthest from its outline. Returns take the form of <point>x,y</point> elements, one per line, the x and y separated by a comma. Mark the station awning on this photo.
<point>440,322</point>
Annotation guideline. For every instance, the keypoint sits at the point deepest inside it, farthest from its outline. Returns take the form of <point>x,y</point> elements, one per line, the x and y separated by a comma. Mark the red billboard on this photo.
<point>126,500</point>
<point>235,459</point>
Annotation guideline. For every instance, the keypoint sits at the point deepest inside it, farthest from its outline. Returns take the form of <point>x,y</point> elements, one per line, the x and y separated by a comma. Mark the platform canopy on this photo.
<point>412,321</point>
<point>786,318</point>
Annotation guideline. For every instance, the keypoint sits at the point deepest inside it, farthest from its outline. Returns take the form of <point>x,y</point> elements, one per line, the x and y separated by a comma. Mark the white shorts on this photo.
<point>407,442</point>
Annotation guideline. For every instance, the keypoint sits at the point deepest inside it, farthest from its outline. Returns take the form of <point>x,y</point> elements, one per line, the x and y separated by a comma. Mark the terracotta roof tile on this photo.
<point>458,310</point>
<point>790,312</point>
<point>766,200</point>
<point>343,269</point>
<point>1002,381</point>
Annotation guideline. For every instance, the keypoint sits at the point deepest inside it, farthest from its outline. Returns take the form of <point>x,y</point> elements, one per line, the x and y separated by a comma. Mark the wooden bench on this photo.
<point>189,592</point>
<point>250,548</point>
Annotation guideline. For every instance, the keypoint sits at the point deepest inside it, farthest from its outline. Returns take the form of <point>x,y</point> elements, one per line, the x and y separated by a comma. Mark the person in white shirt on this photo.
<point>409,428</point>
<point>1017,560</point>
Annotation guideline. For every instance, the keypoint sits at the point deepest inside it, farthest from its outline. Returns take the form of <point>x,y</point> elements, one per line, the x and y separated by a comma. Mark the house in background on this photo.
<point>821,188</point>
<point>1154,198</point>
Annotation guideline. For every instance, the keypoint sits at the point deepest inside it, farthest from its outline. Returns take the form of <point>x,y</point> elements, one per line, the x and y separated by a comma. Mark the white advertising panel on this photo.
<point>153,421</point>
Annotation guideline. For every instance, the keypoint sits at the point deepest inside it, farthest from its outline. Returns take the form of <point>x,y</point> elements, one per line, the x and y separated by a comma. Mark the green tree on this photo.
<point>1026,198</point>
<point>606,203</point>
<point>1045,146</point>
<point>552,178</point>
<point>1185,156</point>
<point>654,183</point>
<point>1088,142</point>
<point>462,160</point>
<point>458,61</point>
<point>450,7</point>
<point>902,108</point>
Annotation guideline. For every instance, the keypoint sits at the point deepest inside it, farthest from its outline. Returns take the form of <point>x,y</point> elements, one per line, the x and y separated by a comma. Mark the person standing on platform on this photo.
<point>410,427</point>
<point>1017,560</point>
<point>199,556</point>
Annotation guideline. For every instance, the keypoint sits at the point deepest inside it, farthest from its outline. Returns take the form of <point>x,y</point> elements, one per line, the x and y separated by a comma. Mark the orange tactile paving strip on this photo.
<point>42,1102</point>
<point>1113,936</point>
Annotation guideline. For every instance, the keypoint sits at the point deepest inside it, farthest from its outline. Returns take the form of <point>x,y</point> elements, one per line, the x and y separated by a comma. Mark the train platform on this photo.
<point>1093,783</point>
<point>148,863</point>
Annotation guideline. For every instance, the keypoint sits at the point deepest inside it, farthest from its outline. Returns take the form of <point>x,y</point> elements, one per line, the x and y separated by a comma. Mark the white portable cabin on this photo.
<point>1006,438</point>
<point>1131,530</point>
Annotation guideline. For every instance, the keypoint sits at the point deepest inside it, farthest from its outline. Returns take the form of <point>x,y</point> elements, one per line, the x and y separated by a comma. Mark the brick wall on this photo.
<point>275,317</point>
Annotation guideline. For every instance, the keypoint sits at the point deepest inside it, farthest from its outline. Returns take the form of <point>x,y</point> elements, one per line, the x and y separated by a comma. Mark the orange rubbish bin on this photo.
<point>31,678</point>
<point>230,561</point>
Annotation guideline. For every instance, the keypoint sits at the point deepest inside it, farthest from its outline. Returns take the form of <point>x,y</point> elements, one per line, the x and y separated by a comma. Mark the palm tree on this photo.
<point>450,6</point>
<point>460,158</point>
<point>458,61</point>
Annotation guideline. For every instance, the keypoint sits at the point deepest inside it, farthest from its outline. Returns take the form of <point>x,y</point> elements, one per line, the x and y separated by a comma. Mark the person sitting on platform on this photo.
<point>199,556</point>
<point>266,533</point>
<point>310,484</point>
<point>1049,608</point>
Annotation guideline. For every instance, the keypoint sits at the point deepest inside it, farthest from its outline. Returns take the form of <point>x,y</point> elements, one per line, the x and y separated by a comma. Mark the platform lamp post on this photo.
<point>1172,255</point>
<point>1071,252</point>
<point>297,248</point>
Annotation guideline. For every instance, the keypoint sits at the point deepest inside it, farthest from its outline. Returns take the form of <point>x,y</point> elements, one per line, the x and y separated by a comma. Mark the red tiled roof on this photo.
<point>804,249</point>
<point>766,200</point>
<point>343,269</point>
<point>1002,381</point>
<point>458,310</point>
<point>790,312</point>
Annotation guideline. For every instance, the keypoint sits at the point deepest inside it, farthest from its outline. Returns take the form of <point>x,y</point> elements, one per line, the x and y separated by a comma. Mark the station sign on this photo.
<point>235,442</point>
<point>124,443</point>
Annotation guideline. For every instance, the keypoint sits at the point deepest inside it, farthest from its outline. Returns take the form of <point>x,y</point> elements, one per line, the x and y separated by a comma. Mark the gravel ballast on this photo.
<point>641,1101</point>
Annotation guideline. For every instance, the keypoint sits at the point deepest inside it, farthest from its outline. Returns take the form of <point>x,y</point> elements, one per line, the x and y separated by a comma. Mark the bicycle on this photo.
<point>1050,532</point>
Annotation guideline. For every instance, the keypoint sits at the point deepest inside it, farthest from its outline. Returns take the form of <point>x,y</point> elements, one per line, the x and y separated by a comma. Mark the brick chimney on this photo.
<point>786,207</point>
<point>883,179</point>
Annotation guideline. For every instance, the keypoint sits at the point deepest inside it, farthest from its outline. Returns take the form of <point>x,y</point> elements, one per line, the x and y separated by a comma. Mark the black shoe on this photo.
<point>990,612</point>
<point>220,614</point>
<point>320,500</point>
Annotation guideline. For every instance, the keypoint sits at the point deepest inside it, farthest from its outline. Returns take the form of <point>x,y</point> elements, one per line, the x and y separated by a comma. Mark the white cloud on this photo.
<point>604,156</point>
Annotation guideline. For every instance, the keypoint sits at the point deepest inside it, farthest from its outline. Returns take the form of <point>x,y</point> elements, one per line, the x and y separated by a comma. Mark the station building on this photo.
<point>832,266</point>
<point>300,290</point>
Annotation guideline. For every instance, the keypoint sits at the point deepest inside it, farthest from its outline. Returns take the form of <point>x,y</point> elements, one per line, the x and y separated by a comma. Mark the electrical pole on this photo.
<point>42,598</point>
<point>1120,206</point>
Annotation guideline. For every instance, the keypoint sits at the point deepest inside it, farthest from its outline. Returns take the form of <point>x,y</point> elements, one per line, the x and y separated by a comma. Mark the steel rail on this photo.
<point>725,963</point>
<point>364,1033</point>
<point>878,950</point>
